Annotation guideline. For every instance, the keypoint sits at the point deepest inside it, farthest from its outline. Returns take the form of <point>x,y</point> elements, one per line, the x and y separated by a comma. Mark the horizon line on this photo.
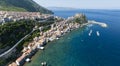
<point>86,8</point>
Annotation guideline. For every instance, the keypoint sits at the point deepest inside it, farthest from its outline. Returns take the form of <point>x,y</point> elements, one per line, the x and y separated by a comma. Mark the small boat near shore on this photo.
<point>44,63</point>
<point>41,47</point>
<point>28,60</point>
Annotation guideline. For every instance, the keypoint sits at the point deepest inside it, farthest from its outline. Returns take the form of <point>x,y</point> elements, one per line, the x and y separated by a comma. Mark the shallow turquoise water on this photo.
<point>78,49</point>
<point>55,50</point>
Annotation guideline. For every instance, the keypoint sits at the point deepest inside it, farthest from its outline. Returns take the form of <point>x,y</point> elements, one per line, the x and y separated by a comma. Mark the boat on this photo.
<point>97,32</point>
<point>90,33</point>
<point>44,64</point>
<point>27,60</point>
<point>40,47</point>
<point>57,38</point>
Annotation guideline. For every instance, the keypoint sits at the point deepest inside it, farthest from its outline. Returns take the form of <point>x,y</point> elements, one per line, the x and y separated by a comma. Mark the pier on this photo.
<point>104,25</point>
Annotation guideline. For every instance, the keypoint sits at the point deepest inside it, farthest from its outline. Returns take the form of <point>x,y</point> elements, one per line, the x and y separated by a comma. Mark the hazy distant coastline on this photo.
<point>71,8</point>
<point>62,8</point>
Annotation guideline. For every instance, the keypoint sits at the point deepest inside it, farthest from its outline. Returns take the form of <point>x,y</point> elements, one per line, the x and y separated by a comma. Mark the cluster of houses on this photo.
<point>7,16</point>
<point>57,30</point>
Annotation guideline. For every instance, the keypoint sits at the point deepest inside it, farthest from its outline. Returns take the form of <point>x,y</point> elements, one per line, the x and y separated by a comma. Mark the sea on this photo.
<point>77,48</point>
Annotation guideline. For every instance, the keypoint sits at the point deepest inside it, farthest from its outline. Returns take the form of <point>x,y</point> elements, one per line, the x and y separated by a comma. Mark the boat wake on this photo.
<point>90,32</point>
<point>97,32</point>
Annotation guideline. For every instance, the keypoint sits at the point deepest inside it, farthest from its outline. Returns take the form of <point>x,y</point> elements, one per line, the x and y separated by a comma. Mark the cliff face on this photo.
<point>22,5</point>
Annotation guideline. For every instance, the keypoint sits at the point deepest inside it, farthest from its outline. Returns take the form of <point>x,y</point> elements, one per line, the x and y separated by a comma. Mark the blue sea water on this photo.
<point>78,49</point>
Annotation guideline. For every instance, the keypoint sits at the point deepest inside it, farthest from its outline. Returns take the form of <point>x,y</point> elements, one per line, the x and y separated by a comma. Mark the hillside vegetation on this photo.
<point>22,5</point>
<point>12,32</point>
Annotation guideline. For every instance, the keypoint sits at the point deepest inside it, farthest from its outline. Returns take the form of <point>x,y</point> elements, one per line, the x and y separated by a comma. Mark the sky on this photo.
<point>82,4</point>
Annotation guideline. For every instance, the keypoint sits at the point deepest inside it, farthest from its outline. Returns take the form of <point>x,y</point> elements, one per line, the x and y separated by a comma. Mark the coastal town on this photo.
<point>8,16</point>
<point>59,33</point>
<point>57,30</point>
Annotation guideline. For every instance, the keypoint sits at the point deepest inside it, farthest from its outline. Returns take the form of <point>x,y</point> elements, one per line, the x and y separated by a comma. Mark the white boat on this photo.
<point>40,47</point>
<point>44,64</point>
<point>57,38</point>
<point>97,32</point>
<point>90,33</point>
<point>27,60</point>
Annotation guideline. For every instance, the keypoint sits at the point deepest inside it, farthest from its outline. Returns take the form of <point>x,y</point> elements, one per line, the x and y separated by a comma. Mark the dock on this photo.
<point>104,25</point>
